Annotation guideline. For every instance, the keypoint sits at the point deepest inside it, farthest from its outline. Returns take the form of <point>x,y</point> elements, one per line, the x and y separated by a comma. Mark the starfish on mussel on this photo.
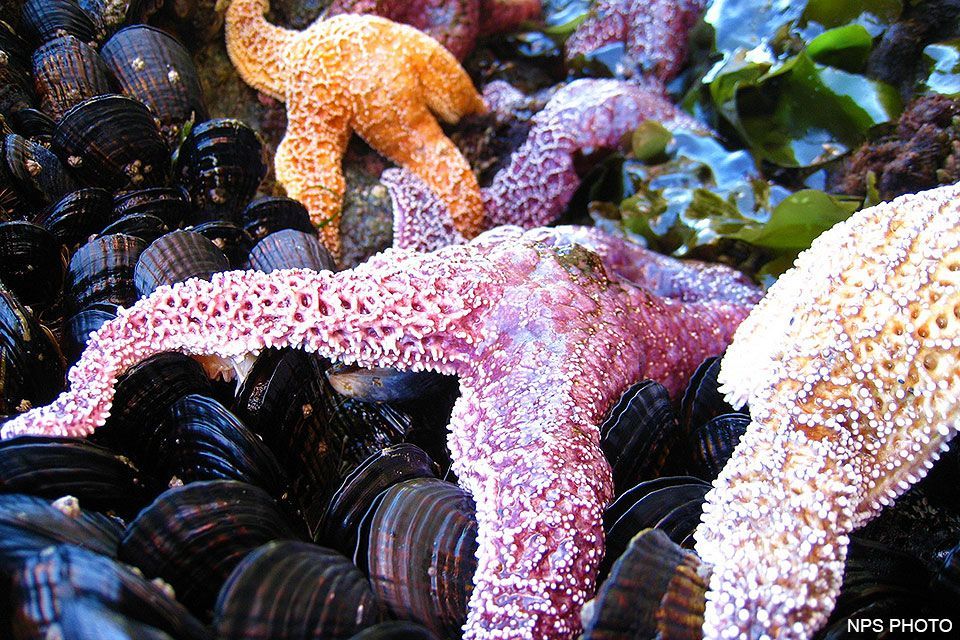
<point>545,330</point>
<point>364,74</point>
<point>456,24</point>
<point>851,366</point>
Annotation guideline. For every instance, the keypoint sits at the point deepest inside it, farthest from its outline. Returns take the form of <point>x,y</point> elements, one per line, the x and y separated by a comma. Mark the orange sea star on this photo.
<point>385,81</point>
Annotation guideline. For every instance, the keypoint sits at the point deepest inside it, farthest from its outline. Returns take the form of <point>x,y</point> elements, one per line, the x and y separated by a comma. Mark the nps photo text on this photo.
<point>900,625</point>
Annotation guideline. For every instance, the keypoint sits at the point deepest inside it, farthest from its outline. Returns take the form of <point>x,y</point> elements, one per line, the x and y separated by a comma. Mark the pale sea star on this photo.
<point>364,74</point>
<point>851,365</point>
<point>543,337</point>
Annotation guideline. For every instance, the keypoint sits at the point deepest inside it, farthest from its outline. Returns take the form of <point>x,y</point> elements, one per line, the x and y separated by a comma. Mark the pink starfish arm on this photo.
<point>502,16</point>
<point>653,31</point>
<point>544,338</point>
<point>586,114</point>
<point>421,222</point>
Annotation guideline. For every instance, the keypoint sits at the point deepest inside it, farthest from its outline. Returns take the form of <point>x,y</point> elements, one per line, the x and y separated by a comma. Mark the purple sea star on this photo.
<point>455,24</point>
<point>654,33</point>
<point>545,329</point>
<point>851,365</point>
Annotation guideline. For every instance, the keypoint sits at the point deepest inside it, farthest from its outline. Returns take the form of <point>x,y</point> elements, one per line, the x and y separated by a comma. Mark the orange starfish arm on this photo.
<point>257,47</point>
<point>308,164</point>
<point>400,124</point>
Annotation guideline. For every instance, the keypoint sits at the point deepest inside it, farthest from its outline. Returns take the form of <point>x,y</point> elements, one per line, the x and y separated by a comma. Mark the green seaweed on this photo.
<point>943,59</point>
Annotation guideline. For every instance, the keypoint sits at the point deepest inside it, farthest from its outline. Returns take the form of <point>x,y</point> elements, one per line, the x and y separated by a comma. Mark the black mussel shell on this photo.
<point>156,69</point>
<point>12,44</point>
<point>653,591</point>
<point>28,524</point>
<point>396,630</point>
<point>946,581</point>
<point>55,467</point>
<point>290,249</point>
<point>139,225</point>
<point>49,19</point>
<point>201,440</point>
<point>81,324</point>
<point>638,433</point>
<point>267,215</point>
<point>702,399</point>
<point>35,124</point>
<point>220,163</point>
<point>170,204</point>
<point>36,171</point>
<point>229,238</point>
<point>713,444</point>
<point>340,524</point>
<point>31,366</point>
<point>113,141</point>
<point>418,546</point>
<point>77,217</point>
<point>32,263</point>
<point>55,579</point>
<point>144,395</point>
<point>193,536</point>
<point>16,85</point>
<point>102,271</point>
<point>290,590</point>
<point>66,72</point>
<point>318,435</point>
<point>673,503</point>
<point>175,257</point>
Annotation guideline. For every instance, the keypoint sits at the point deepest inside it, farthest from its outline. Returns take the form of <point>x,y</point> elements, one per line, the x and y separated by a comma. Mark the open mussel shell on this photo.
<point>66,72</point>
<point>35,171</point>
<point>653,591</point>
<point>638,433</point>
<point>672,504</point>
<point>139,225</point>
<point>702,399</point>
<point>341,522</point>
<point>56,578</point>
<point>229,238</point>
<point>32,264</point>
<point>175,257</point>
<point>113,141</point>
<point>290,249</point>
<point>382,384</point>
<point>193,536</point>
<point>289,590</point>
<point>77,216</point>
<point>316,434</point>
<point>201,440</point>
<point>102,271</point>
<point>81,324</point>
<point>714,442</point>
<point>156,69</point>
<point>31,366</point>
<point>55,467</point>
<point>396,630</point>
<point>28,524</point>
<point>418,546</point>
<point>220,163</point>
<point>267,215</point>
<point>48,19</point>
<point>144,394</point>
<point>170,204</point>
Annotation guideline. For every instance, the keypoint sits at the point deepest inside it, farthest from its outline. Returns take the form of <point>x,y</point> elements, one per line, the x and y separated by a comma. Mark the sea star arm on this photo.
<point>859,353</point>
<point>436,84</point>
<point>256,47</point>
<point>592,114</point>
<point>502,16</point>
<point>421,222</point>
<point>308,161</point>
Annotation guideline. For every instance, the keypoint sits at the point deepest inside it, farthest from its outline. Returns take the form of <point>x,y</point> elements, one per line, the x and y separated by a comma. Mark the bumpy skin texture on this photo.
<point>586,114</point>
<point>654,33</point>
<point>543,337</point>
<point>455,24</point>
<point>384,81</point>
<point>851,365</point>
